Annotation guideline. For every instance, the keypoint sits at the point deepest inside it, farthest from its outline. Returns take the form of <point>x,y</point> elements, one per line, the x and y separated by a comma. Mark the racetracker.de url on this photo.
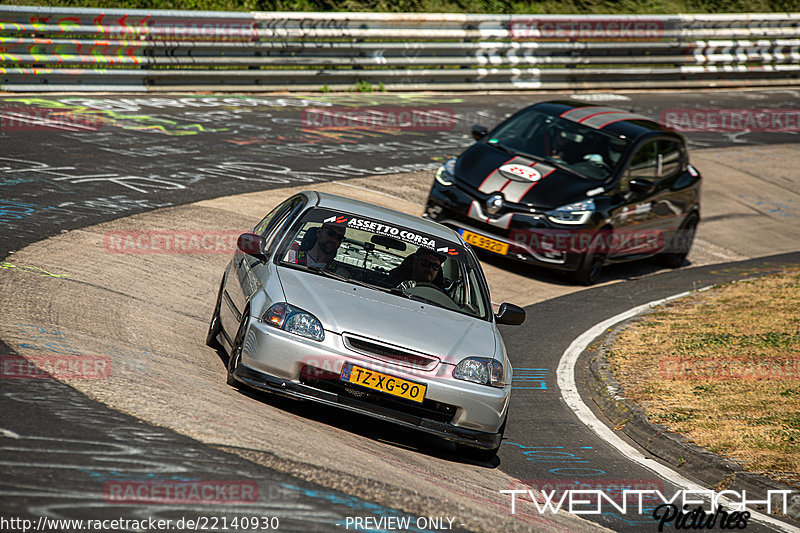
<point>198,523</point>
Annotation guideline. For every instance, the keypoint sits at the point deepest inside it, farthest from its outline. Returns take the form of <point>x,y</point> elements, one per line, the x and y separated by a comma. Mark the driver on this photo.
<point>558,145</point>
<point>321,255</point>
<point>423,266</point>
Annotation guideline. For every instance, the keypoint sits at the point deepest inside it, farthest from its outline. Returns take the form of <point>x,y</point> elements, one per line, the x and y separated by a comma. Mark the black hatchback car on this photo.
<point>572,187</point>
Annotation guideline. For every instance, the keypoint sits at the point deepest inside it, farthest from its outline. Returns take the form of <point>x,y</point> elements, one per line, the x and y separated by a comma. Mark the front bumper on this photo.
<point>280,362</point>
<point>455,207</point>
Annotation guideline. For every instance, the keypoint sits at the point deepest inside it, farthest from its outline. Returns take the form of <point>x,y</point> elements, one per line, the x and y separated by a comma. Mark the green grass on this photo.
<point>446,6</point>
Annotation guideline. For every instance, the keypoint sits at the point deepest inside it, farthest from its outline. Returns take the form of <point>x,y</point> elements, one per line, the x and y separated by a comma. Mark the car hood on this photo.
<point>550,187</point>
<point>347,308</point>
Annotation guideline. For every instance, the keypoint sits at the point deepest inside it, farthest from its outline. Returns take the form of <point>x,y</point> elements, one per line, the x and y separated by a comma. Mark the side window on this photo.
<point>274,217</point>
<point>669,158</point>
<point>643,164</point>
<point>263,226</point>
<point>285,210</point>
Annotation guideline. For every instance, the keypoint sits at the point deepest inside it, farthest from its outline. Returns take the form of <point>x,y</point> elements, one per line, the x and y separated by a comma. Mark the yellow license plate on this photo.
<point>493,245</point>
<point>383,382</point>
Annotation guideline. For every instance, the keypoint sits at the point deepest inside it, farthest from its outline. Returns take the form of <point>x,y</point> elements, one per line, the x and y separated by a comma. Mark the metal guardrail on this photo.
<point>71,49</point>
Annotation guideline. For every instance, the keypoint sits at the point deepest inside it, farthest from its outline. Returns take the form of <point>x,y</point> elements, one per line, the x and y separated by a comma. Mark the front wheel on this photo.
<point>479,454</point>
<point>214,327</point>
<point>235,357</point>
<point>589,271</point>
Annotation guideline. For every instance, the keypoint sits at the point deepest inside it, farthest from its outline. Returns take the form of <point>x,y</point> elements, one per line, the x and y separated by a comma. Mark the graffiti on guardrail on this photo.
<point>730,120</point>
<point>291,52</point>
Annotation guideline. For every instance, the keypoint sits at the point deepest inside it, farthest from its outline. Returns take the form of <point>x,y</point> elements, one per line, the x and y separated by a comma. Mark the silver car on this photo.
<point>370,310</point>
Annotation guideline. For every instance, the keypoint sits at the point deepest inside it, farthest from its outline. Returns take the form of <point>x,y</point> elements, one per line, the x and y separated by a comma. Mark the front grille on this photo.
<point>390,353</point>
<point>330,382</point>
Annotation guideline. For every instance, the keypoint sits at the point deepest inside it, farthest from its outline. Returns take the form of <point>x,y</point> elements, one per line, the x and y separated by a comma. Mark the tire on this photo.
<point>235,357</point>
<point>214,328</point>
<point>674,255</point>
<point>479,454</point>
<point>589,271</point>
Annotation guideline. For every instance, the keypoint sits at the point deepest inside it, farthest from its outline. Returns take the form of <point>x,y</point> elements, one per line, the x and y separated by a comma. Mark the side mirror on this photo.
<point>252,244</point>
<point>479,132</point>
<point>510,314</point>
<point>641,186</point>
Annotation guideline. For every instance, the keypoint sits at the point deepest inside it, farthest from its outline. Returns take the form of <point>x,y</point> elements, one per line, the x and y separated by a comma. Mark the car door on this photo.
<point>241,281</point>
<point>261,273</point>
<point>633,218</point>
<point>676,193</point>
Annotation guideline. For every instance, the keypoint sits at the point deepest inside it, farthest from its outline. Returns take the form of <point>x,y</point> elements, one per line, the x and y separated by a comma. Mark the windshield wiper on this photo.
<point>417,298</point>
<point>541,159</point>
<point>422,299</point>
<point>556,163</point>
<point>334,275</point>
<point>327,273</point>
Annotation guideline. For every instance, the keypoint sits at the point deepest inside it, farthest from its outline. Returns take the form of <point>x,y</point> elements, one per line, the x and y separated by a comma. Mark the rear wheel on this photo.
<point>674,255</point>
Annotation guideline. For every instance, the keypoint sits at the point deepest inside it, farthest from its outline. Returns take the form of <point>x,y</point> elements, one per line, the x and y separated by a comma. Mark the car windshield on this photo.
<point>387,257</point>
<point>588,152</point>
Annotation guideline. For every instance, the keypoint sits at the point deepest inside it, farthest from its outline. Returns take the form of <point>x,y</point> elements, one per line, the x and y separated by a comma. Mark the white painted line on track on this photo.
<point>569,392</point>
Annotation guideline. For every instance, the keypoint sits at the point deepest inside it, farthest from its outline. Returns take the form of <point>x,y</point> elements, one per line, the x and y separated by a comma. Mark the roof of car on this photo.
<point>389,216</point>
<point>613,120</point>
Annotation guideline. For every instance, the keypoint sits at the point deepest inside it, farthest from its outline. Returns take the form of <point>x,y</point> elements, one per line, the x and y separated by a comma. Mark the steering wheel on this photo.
<point>410,284</point>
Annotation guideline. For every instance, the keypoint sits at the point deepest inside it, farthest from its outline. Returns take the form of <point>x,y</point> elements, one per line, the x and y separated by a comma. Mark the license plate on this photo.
<point>493,245</point>
<point>383,382</point>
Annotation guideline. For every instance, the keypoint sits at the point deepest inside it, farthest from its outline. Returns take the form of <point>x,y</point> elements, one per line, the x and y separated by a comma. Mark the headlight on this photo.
<point>480,370</point>
<point>290,318</point>
<point>575,214</point>
<point>446,173</point>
